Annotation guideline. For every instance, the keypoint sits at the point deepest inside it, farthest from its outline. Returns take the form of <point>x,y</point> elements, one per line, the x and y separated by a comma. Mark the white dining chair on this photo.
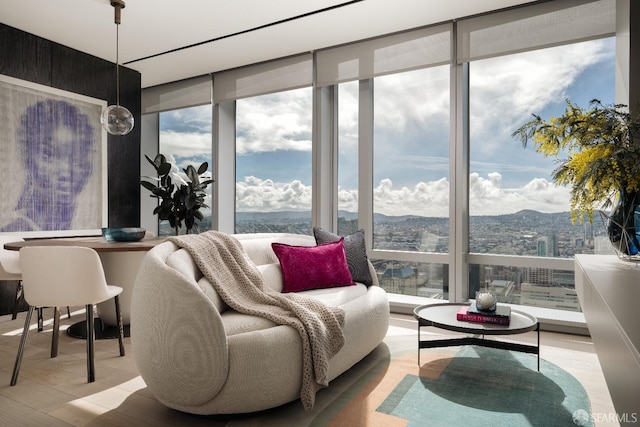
<point>10,271</point>
<point>56,276</point>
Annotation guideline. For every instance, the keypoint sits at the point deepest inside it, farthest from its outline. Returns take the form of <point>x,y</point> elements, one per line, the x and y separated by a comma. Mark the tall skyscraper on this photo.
<point>543,246</point>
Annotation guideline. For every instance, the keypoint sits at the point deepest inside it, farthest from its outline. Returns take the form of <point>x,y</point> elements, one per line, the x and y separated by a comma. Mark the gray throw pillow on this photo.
<point>356,252</point>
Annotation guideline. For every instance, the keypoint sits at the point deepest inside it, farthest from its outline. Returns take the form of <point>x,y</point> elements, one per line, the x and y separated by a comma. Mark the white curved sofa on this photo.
<point>196,355</point>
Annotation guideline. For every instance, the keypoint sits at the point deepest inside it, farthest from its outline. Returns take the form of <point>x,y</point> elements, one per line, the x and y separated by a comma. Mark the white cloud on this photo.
<point>508,89</point>
<point>186,144</point>
<point>260,195</point>
<point>487,197</point>
<point>424,199</point>
<point>420,95</point>
<point>348,114</point>
<point>430,199</point>
<point>280,121</point>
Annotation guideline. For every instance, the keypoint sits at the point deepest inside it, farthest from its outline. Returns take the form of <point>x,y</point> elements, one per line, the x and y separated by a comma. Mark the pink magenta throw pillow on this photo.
<point>313,267</point>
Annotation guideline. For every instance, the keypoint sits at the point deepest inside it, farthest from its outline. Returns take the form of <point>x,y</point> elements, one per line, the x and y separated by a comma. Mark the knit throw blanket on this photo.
<point>223,261</point>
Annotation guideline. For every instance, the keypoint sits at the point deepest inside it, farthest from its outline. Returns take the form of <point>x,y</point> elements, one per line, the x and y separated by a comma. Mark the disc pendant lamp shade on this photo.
<point>116,119</point>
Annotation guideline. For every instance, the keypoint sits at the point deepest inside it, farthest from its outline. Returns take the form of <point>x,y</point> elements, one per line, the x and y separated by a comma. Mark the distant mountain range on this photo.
<point>288,216</point>
<point>300,221</point>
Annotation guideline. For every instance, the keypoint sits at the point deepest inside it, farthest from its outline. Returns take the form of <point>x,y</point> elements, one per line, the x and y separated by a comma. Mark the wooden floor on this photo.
<point>54,392</point>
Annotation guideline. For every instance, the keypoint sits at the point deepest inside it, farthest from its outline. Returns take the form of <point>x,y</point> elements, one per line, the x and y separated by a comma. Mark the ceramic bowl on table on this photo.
<point>123,234</point>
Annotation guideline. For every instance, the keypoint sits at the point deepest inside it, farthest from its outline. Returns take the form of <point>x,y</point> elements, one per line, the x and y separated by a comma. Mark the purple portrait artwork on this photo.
<point>56,145</point>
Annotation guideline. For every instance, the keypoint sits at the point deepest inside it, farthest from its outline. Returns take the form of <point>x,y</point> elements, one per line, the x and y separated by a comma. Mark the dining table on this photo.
<point>120,261</point>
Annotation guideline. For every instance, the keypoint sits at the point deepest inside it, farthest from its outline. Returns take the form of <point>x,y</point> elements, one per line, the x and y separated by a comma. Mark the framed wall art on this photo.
<point>53,157</point>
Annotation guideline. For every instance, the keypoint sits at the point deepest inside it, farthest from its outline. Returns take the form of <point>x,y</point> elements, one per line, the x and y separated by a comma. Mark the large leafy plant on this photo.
<point>598,152</point>
<point>178,202</point>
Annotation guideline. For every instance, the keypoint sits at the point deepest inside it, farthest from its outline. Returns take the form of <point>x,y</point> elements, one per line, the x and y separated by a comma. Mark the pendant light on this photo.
<point>116,119</point>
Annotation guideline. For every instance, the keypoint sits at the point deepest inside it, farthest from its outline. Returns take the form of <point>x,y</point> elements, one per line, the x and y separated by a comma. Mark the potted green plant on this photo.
<point>177,202</point>
<point>598,151</point>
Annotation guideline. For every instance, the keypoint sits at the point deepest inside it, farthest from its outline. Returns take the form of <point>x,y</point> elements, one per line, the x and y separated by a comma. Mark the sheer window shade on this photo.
<point>533,27</point>
<point>260,79</point>
<point>180,94</point>
<point>390,54</point>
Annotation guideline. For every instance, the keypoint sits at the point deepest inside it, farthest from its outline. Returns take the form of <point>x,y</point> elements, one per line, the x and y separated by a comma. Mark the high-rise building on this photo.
<point>543,246</point>
<point>541,276</point>
<point>548,245</point>
<point>553,245</point>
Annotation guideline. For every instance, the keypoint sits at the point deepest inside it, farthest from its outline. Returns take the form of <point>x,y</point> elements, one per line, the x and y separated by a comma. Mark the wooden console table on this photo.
<point>609,293</point>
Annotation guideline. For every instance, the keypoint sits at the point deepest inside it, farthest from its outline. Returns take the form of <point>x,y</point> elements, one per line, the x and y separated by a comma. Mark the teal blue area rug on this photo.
<point>479,386</point>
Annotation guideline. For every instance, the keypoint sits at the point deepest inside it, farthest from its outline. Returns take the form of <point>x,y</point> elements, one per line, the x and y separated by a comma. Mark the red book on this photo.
<point>464,316</point>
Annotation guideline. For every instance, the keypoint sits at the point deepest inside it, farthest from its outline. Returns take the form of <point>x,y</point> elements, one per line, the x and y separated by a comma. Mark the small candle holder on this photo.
<point>486,300</point>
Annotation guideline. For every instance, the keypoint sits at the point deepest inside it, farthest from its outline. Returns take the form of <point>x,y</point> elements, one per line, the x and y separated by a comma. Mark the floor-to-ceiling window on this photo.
<point>264,115</point>
<point>521,238</point>
<point>348,158</point>
<point>411,177</point>
<point>515,209</point>
<point>393,147</point>
<point>185,139</point>
<point>411,161</point>
<point>273,162</point>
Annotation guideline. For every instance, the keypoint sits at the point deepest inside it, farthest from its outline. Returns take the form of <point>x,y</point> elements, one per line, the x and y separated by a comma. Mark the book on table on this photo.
<point>500,311</point>
<point>470,313</point>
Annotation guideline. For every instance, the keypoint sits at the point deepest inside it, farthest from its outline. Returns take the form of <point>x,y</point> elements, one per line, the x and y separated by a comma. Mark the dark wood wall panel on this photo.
<point>92,76</point>
<point>24,56</point>
<point>28,57</point>
<point>124,188</point>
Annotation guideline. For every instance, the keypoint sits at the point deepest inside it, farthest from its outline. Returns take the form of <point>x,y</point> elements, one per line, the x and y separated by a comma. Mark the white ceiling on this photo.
<point>153,27</point>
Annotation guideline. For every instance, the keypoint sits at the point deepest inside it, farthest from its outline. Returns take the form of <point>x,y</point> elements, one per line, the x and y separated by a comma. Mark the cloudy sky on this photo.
<point>411,141</point>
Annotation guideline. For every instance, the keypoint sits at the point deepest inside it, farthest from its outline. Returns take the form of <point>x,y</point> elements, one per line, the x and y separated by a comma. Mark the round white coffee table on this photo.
<point>443,316</point>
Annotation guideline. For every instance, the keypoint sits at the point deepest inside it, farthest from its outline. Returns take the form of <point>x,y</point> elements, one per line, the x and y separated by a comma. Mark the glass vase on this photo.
<point>623,226</point>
